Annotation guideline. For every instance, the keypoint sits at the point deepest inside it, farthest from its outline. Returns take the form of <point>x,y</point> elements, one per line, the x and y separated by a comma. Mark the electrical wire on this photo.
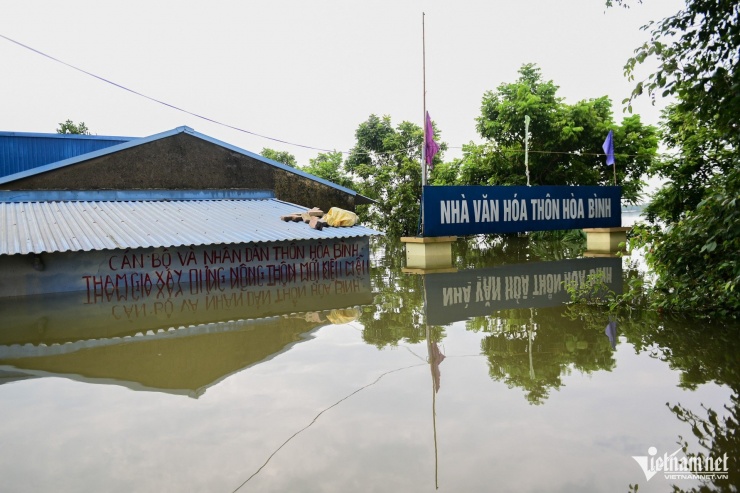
<point>164,103</point>
<point>267,137</point>
<point>177,108</point>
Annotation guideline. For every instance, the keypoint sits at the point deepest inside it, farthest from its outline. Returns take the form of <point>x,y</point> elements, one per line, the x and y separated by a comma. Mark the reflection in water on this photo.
<point>525,349</point>
<point>336,412</point>
<point>63,318</point>
<point>176,340</point>
<point>533,340</point>
<point>178,361</point>
<point>703,353</point>
<point>533,350</point>
<point>611,333</point>
<point>435,358</point>
<point>316,418</point>
<point>479,292</point>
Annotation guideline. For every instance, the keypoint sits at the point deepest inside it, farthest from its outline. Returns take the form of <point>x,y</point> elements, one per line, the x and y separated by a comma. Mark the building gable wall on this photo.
<point>183,161</point>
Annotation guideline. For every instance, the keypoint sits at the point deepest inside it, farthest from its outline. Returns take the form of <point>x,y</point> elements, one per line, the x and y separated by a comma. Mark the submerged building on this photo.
<point>101,214</point>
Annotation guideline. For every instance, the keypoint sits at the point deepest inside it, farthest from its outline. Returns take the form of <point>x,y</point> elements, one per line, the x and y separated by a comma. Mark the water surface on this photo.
<point>477,380</point>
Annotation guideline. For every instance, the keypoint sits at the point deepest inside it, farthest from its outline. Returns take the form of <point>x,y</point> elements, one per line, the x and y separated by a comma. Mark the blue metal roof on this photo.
<point>21,151</point>
<point>136,142</point>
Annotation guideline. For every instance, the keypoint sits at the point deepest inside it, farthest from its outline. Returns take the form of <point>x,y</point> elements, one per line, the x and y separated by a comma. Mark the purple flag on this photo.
<point>609,148</point>
<point>432,147</point>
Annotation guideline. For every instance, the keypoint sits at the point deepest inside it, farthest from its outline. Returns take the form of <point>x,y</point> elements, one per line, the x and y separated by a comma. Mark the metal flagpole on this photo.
<point>424,105</point>
<point>424,121</point>
<point>614,164</point>
<point>526,146</point>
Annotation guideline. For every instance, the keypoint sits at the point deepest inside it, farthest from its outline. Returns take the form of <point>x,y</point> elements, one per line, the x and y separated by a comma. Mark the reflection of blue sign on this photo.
<point>470,210</point>
<point>479,292</point>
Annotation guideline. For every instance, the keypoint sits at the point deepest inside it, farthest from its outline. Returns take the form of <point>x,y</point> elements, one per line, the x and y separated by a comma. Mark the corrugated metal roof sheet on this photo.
<point>41,227</point>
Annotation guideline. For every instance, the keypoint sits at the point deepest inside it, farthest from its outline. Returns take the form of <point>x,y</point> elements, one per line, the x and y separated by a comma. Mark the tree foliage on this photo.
<point>697,51</point>
<point>565,144</point>
<point>280,156</point>
<point>695,256</point>
<point>698,55</point>
<point>535,349</point>
<point>329,166</point>
<point>69,127</point>
<point>386,161</point>
<point>698,154</point>
<point>696,259</point>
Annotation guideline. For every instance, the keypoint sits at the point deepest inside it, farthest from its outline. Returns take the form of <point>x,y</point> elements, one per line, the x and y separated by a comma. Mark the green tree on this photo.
<point>697,51</point>
<point>696,259</point>
<point>693,247</point>
<point>329,166</point>
<point>565,140</point>
<point>279,156</point>
<point>69,127</point>
<point>698,56</point>
<point>697,154</point>
<point>387,162</point>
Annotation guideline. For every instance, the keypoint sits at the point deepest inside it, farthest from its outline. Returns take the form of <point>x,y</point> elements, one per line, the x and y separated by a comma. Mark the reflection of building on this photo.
<point>478,292</point>
<point>111,213</point>
<point>163,262</point>
<point>178,341</point>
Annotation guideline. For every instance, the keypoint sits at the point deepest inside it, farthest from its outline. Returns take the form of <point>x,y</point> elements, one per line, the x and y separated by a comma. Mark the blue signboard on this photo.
<point>473,209</point>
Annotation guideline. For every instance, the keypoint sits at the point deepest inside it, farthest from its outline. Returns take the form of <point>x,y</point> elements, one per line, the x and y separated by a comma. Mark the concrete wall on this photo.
<point>210,267</point>
<point>184,161</point>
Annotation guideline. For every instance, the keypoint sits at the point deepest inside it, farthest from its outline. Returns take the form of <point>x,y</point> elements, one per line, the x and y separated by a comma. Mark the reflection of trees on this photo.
<point>703,353</point>
<point>486,251</point>
<point>557,245</point>
<point>532,349</point>
<point>558,345</point>
<point>398,313</point>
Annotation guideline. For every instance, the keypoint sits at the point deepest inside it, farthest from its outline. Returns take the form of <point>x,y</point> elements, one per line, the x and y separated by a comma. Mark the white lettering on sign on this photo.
<point>516,287</point>
<point>485,211</point>
<point>599,207</point>
<point>454,211</point>
<point>508,210</point>
<point>515,210</point>
<point>488,289</point>
<point>455,295</point>
<point>573,209</point>
<point>545,209</point>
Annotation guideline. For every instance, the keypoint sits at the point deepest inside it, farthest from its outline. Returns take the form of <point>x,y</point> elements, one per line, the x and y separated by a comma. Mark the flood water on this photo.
<point>479,379</point>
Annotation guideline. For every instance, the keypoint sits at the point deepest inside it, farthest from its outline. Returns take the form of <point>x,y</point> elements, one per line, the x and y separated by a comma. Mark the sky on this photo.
<point>304,74</point>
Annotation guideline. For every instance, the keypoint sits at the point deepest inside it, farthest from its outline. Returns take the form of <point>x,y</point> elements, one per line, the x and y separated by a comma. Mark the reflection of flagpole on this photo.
<point>529,331</point>
<point>432,357</point>
<point>435,358</point>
